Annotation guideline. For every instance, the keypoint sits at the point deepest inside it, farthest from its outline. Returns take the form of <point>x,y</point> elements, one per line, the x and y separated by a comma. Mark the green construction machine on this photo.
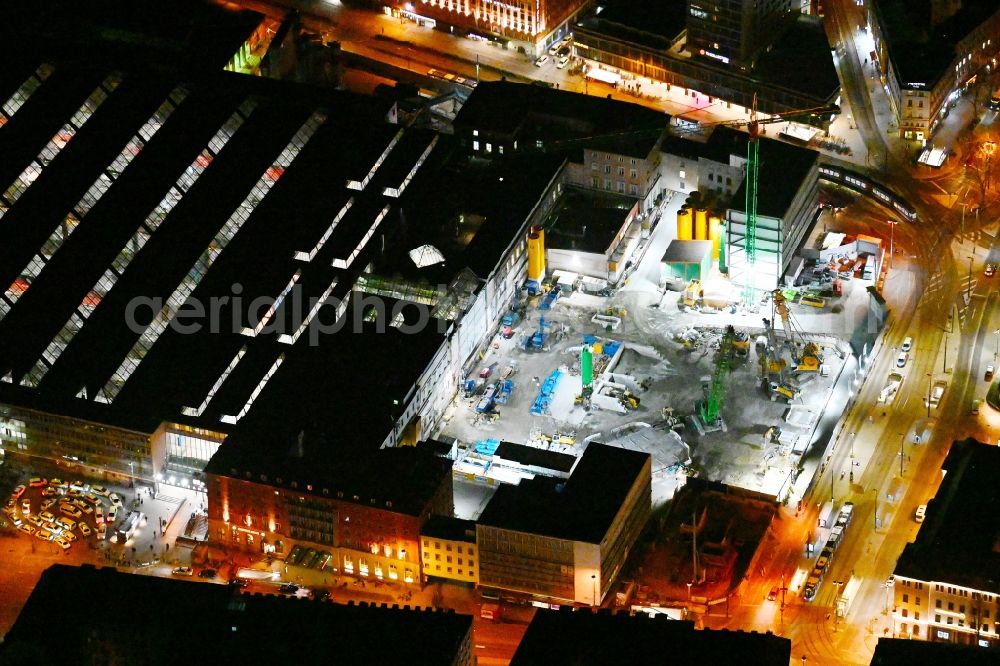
<point>709,410</point>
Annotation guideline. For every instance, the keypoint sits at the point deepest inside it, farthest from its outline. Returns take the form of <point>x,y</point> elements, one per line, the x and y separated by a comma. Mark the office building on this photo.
<point>946,584</point>
<point>930,52</point>
<point>734,32</point>
<point>566,540</point>
<point>902,652</point>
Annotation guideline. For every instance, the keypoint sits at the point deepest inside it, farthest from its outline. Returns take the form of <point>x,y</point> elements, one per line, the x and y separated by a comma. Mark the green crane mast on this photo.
<point>750,242</point>
<point>710,408</point>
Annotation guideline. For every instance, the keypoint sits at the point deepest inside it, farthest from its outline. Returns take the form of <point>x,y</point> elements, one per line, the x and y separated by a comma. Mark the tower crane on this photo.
<point>753,129</point>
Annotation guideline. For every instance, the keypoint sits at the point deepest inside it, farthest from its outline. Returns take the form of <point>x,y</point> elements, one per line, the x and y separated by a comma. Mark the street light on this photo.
<point>593,577</point>
<point>892,229</point>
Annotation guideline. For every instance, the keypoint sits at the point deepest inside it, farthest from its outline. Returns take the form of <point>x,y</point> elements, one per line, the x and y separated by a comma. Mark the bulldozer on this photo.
<point>629,400</point>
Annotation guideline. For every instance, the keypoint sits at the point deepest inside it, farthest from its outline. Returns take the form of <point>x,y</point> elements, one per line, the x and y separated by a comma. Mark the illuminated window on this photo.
<point>475,145</point>
<point>489,147</point>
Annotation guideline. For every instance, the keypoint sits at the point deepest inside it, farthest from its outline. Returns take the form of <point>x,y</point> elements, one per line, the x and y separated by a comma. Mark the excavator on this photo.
<point>807,355</point>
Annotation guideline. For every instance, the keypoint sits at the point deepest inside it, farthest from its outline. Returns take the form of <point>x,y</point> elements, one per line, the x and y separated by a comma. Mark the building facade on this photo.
<point>942,612</point>
<point>364,533</point>
<point>945,585</point>
<point>550,558</point>
<point>448,550</point>
<point>530,26</point>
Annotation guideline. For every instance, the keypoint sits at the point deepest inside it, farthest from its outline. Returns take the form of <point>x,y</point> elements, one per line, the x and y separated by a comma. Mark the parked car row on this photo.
<point>75,501</point>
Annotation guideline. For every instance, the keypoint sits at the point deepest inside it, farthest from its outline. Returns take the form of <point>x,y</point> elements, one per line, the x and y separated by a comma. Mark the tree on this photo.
<point>981,166</point>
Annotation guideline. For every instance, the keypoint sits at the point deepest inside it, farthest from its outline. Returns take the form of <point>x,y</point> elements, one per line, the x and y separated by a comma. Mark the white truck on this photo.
<point>887,394</point>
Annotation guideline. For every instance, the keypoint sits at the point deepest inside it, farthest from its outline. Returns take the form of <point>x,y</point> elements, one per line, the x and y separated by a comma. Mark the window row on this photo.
<point>30,85</point>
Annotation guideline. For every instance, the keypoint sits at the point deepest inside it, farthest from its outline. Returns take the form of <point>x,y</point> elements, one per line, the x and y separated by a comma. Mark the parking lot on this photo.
<point>65,512</point>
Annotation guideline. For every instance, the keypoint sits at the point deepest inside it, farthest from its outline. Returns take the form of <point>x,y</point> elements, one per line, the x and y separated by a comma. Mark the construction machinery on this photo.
<point>770,362</point>
<point>741,343</point>
<point>693,293</point>
<point>709,415</point>
<point>807,356</point>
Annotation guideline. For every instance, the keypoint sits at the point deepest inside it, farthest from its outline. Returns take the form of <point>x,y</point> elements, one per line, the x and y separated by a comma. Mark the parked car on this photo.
<point>562,62</point>
<point>541,61</point>
<point>62,543</point>
<point>183,571</point>
<point>288,588</point>
<point>99,490</point>
<point>116,499</point>
<point>47,516</point>
<point>207,573</point>
<point>27,529</point>
<point>85,529</point>
<point>920,513</point>
<point>990,371</point>
<point>37,482</point>
<point>18,492</point>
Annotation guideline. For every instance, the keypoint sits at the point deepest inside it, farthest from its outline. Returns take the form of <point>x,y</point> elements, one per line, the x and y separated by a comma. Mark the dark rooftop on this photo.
<point>580,508</point>
<point>402,478</point>
<point>550,115</point>
<point>781,170</point>
<point>228,185</point>
<point>586,220</point>
<point>959,541</point>
<point>921,53</point>
<point>804,43</point>
<point>904,652</point>
<point>453,529</point>
<point>472,220</point>
<point>535,457</point>
<point>652,23</point>
<point>216,624</point>
<point>688,252</point>
<point>585,638</point>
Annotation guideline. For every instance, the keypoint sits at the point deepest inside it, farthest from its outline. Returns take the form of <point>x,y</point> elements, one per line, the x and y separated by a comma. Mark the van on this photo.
<point>68,523</point>
<point>902,359</point>
<point>907,344</point>
<point>490,611</point>
<point>920,513</point>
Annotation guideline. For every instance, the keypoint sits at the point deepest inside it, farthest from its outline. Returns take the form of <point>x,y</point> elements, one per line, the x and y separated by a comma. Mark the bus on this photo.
<point>129,527</point>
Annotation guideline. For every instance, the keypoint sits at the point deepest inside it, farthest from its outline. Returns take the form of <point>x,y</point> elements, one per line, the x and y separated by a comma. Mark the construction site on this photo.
<point>657,372</point>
